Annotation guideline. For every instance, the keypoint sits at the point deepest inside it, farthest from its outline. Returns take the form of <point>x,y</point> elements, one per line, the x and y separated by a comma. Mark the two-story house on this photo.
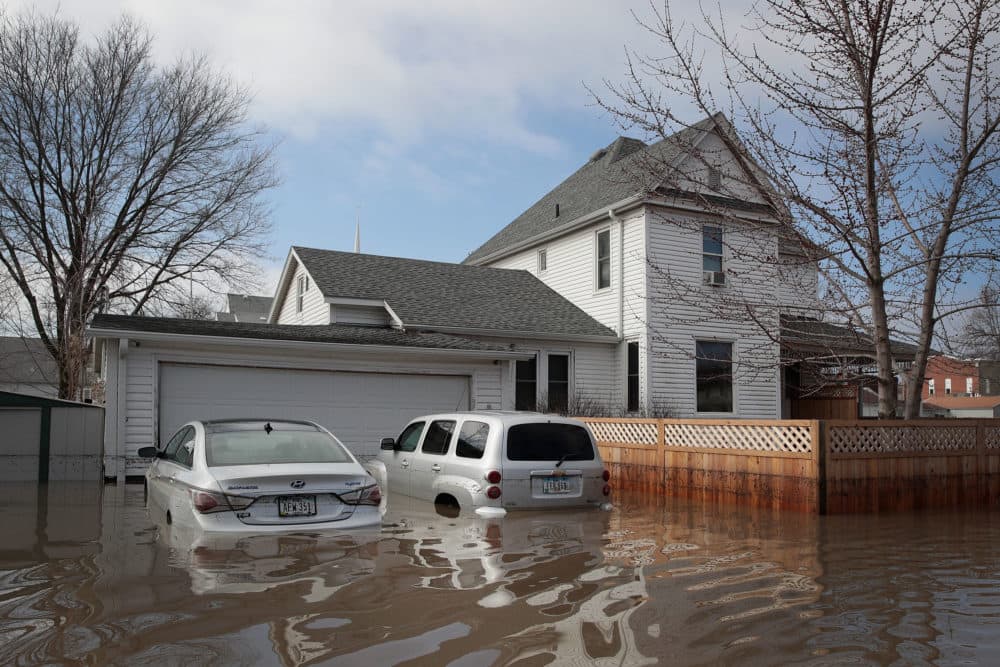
<point>614,293</point>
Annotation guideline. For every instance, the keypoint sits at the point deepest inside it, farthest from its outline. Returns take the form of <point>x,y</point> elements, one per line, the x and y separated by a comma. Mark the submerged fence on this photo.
<point>825,466</point>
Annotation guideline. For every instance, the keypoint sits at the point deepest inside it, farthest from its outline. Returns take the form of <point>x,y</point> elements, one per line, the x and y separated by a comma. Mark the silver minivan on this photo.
<point>502,460</point>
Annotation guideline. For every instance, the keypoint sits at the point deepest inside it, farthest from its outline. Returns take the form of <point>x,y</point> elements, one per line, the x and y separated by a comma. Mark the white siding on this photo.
<point>314,308</point>
<point>798,286</point>
<point>711,151</point>
<point>366,315</point>
<point>682,310</point>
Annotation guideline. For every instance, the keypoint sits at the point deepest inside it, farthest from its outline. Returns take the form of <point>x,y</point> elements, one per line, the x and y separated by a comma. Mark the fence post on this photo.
<point>819,433</point>
<point>982,483</point>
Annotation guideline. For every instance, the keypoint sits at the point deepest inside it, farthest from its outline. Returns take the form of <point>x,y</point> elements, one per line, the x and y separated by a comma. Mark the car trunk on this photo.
<point>283,494</point>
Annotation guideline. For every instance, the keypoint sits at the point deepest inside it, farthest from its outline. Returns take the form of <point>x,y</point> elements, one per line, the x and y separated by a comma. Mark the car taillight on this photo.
<point>207,502</point>
<point>607,489</point>
<point>607,475</point>
<point>494,491</point>
<point>370,495</point>
<point>494,477</point>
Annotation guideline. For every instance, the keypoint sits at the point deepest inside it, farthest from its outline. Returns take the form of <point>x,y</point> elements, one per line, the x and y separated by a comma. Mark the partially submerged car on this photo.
<point>255,475</point>
<point>495,461</point>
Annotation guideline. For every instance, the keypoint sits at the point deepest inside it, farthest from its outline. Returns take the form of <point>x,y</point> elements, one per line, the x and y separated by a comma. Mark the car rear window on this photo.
<point>549,442</point>
<point>283,443</point>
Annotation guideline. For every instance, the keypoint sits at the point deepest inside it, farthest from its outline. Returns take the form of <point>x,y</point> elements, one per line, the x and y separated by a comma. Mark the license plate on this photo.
<point>296,505</point>
<point>555,485</point>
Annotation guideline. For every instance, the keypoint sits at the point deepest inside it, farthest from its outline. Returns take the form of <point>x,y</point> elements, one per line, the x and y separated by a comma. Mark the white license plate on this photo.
<point>296,505</point>
<point>555,485</point>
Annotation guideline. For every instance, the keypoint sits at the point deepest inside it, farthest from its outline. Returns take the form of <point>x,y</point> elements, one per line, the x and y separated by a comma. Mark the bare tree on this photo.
<point>120,181</point>
<point>871,128</point>
<point>981,330</point>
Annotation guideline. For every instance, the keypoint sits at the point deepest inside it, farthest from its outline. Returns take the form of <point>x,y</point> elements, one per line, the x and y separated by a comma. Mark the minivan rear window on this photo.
<point>549,442</point>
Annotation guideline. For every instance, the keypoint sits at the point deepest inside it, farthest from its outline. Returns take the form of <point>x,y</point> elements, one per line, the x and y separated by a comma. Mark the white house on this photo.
<point>603,296</point>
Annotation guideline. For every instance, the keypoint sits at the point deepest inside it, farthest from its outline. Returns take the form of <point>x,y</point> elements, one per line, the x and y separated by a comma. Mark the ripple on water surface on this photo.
<point>88,577</point>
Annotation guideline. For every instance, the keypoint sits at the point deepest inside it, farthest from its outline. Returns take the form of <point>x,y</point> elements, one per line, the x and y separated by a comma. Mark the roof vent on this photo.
<point>598,154</point>
<point>557,210</point>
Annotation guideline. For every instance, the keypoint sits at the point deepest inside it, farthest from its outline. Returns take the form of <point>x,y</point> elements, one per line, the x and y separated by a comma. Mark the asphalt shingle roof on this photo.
<point>614,173</point>
<point>837,338</point>
<point>433,295</point>
<point>327,333</point>
<point>249,303</point>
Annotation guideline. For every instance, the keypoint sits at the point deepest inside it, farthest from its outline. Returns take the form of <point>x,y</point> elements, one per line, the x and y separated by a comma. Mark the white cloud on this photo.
<point>406,70</point>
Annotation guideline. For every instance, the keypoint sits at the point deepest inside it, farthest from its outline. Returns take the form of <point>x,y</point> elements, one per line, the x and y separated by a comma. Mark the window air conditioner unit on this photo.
<point>714,278</point>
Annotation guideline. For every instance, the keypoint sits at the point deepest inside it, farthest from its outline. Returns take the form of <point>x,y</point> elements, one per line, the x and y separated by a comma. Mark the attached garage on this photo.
<point>358,407</point>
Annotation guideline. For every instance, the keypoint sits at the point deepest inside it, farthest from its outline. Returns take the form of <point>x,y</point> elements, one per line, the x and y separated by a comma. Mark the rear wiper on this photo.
<point>564,457</point>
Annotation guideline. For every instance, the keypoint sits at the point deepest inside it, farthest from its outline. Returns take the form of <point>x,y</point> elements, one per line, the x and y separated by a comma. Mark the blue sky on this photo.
<point>435,122</point>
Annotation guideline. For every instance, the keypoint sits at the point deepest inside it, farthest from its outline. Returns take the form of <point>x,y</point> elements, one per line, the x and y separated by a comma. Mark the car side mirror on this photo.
<point>388,443</point>
<point>148,452</point>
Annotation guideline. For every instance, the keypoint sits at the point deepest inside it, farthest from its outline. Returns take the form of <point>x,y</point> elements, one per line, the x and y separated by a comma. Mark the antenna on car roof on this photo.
<point>268,428</point>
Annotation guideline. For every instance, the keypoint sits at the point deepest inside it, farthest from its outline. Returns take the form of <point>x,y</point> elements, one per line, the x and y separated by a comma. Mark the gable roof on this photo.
<point>613,174</point>
<point>320,333</point>
<point>444,296</point>
<point>26,361</point>
<point>806,334</point>
<point>248,303</point>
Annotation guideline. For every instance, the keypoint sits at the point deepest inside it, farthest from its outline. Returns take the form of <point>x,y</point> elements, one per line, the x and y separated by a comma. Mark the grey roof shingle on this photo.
<point>26,361</point>
<point>617,172</point>
<point>328,333</point>
<point>432,295</point>
<point>810,334</point>
<point>249,303</point>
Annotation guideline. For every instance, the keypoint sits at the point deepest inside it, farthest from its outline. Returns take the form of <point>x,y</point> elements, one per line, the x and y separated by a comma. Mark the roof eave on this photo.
<point>239,341</point>
<point>506,333</point>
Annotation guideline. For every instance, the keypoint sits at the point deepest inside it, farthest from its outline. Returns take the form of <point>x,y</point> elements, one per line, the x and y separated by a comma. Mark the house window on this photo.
<point>968,386</point>
<point>603,259</point>
<point>543,260</point>
<point>947,385</point>
<point>558,383</point>
<point>300,294</point>
<point>930,387</point>
<point>714,376</point>
<point>711,249</point>
<point>632,378</point>
<point>526,385</point>
<point>714,178</point>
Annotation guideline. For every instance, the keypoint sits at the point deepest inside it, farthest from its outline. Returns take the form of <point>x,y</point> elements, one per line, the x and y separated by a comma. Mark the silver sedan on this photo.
<point>259,476</point>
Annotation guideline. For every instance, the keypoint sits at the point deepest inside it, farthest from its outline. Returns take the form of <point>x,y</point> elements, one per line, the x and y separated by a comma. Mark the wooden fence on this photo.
<point>809,465</point>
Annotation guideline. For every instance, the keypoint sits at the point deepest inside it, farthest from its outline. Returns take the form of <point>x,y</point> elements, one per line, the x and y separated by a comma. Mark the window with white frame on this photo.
<point>714,376</point>
<point>558,387</point>
<point>603,259</point>
<point>930,387</point>
<point>947,385</point>
<point>543,260</point>
<point>526,384</point>
<point>968,386</point>
<point>300,294</point>
<point>711,249</point>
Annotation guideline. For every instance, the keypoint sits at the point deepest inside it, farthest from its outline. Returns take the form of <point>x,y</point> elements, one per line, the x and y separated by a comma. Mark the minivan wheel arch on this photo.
<point>446,499</point>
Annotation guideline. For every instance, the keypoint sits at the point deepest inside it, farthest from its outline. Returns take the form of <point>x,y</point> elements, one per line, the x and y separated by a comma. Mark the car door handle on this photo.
<point>404,464</point>
<point>436,468</point>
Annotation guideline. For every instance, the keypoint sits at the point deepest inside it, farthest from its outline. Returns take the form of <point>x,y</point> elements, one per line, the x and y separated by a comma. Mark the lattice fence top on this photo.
<point>791,438</point>
<point>623,432</point>
<point>899,438</point>
<point>992,437</point>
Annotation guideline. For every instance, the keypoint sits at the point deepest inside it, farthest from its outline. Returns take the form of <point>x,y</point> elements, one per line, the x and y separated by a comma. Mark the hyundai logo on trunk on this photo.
<point>298,484</point>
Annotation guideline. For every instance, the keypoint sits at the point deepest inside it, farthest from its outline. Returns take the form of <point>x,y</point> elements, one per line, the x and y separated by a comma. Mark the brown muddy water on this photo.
<point>88,577</point>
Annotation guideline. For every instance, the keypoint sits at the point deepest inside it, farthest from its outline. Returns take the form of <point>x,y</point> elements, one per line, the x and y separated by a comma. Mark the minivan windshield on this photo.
<point>256,443</point>
<point>549,442</point>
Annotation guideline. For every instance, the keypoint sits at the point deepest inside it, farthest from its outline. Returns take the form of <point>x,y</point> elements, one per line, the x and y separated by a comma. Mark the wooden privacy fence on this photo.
<point>809,465</point>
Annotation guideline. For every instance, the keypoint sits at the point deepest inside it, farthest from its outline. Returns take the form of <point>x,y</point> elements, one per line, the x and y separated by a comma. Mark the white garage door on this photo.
<point>359,408</point>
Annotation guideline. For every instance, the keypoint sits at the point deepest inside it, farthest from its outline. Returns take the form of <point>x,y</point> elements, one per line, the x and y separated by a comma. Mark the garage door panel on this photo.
<point>360,408</point>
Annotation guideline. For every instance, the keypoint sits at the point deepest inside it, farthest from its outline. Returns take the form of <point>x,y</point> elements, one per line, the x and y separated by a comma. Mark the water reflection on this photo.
<point>87,578</point>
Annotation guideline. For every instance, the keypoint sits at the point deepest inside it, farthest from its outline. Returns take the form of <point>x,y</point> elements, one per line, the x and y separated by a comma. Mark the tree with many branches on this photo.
<point>871,126</point>
<point>121,181</point>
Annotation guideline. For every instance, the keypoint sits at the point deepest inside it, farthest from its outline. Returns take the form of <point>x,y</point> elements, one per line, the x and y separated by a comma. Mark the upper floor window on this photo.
<point>947,385</point>
<point>300,294</point>
<point>711,249</point>
<point>543,260</point>
<point>603,258</point>
<point>930,387</point>
<point>968,386</point>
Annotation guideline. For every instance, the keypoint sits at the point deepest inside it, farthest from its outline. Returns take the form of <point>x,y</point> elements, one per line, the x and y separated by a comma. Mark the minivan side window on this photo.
<point>438,436</point>
<point>410,436</point>
<point>472,440</point>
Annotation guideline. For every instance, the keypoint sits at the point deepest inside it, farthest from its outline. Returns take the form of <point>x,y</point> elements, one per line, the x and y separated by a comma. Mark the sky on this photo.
<point>433,123</point>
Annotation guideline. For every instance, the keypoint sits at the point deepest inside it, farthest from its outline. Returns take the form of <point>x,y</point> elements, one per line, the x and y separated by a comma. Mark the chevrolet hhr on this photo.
<point>502,460</point>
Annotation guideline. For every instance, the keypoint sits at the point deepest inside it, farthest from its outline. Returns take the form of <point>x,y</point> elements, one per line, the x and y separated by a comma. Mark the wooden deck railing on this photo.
<point>812,465</point>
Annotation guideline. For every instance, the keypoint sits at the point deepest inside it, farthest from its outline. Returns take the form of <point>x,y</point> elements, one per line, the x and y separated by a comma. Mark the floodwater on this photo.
<point>88,577</point>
